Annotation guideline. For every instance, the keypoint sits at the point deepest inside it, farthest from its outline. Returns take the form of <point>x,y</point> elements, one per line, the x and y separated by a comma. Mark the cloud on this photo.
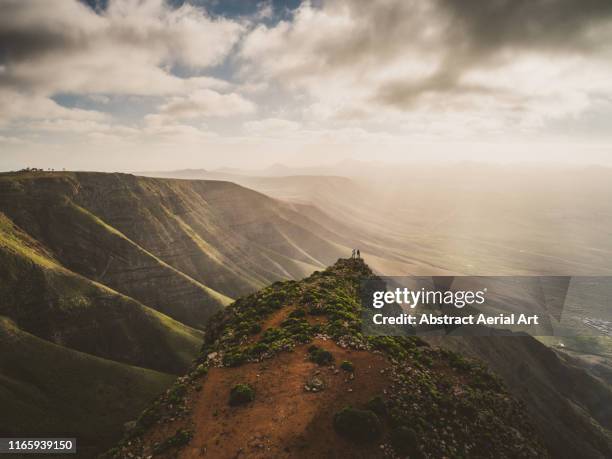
<point>16,105</point>
<point>206,103</point>
<point>396,58</point>
<point>128,48</point>
<point>271,127</point>
<point>337,74</point>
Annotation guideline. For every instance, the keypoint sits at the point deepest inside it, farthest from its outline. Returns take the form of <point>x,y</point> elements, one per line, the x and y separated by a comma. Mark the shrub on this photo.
<point>297,314</point>
<point>317,309</point>
<point>241,394</point>
<point>377,404</point>
<point>273,334</point>
<point>404,441</point>
<point>234,358</point>
<point>148,417</point>
<point>177,393</point>
<point>180,438</point>
<point>254,328</point>
<point>200,370</point>
<point>347,366</point>
<point>320,356</point>
<point>358,425</point>
<point>260,348</point>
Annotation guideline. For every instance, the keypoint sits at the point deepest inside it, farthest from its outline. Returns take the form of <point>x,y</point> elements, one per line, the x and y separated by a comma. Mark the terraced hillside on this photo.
<point>286,372</point>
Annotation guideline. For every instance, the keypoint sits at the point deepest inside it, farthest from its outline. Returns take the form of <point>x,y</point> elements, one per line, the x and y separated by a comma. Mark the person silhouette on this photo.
<point>358,254</point>
<point>353,254</point>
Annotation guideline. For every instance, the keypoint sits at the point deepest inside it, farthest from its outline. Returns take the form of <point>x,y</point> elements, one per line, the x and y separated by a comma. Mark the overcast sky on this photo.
<point>150,85</point>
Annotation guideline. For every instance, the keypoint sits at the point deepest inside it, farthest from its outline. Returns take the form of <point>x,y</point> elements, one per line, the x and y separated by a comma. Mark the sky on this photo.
<point>143,85</point>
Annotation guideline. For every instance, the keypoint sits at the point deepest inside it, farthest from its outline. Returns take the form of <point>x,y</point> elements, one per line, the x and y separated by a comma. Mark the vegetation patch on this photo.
<point>180,438</point>
<point>320,356</point>
<point>377,404</point>
<point>405,442</point>
<point>241,394</point>
<point>347,366</point>
<point>359,426</point>
<point>297,313</point>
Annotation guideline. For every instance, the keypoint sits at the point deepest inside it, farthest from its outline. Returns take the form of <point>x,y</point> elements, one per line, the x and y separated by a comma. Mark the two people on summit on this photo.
<point>356,254</point>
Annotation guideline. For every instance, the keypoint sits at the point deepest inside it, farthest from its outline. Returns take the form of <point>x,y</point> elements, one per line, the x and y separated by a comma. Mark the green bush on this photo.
<point>260,348</point>
<point>241,394</point>
<point>377,404</point>
<point>200,370</point>
<point>297,314</point>
<point>273,334</point>
<point>234,358</point>
<point>347,366</point>
<point>404,441</point>
<point>317,310</point>
<point>357,425</point>
<point>320,356</point>
<point>254,329</point>
<point>180,438</point>
<point>177,393</point>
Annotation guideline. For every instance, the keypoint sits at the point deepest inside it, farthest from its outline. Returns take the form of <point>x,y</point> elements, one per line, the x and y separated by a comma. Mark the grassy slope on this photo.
<point>47,209</point>
<point>198,241</point>
<point>41,390</point>
<point>218,233</point>
<point>55,304</point>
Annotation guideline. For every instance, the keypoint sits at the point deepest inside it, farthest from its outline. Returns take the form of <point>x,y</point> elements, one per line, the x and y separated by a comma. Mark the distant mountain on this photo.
<point>286,373</point>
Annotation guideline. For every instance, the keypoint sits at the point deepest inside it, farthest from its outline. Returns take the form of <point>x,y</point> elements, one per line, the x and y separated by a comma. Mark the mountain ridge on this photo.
<point>290,345</point>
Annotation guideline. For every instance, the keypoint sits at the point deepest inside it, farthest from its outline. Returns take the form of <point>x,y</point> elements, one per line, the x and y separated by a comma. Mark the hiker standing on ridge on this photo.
<point>358,254</point>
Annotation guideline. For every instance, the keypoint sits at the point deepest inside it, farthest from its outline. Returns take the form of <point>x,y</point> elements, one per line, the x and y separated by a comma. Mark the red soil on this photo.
<point>284,420</point>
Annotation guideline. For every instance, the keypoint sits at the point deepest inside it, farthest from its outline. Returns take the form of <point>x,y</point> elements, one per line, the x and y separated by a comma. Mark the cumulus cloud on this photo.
<point>128,48</point>
<point>357,58</point>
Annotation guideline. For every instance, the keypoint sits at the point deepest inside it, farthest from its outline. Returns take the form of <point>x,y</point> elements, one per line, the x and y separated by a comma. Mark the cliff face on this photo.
<point>286,372</point>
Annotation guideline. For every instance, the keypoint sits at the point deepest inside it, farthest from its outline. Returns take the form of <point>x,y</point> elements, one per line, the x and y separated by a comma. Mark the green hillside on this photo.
<point>55,304</point>
<point>49,390</point>
<point>102,271</point>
